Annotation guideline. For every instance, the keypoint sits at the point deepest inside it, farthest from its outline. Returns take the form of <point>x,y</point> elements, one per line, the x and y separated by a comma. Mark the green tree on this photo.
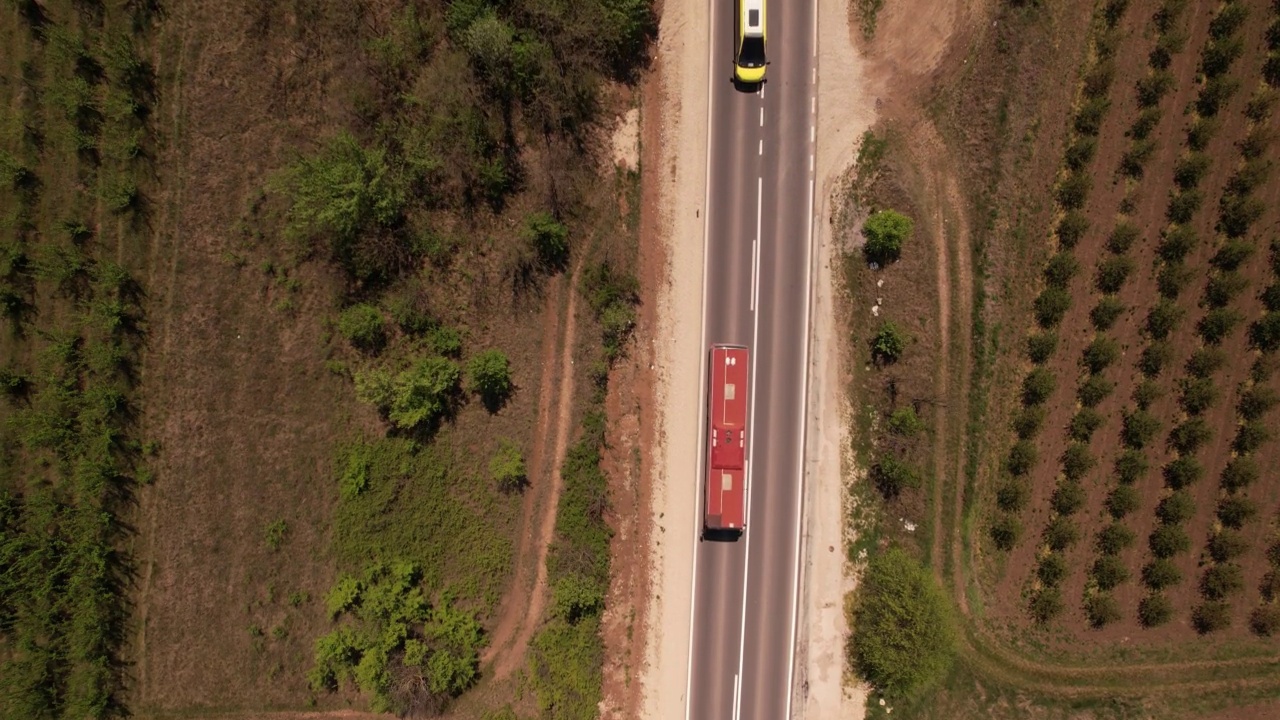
<point>886,231</point>
<point>549,239</point>
<point>892,476</point>
<point>507,468</point>
<point>888,344</point>
<point>490,377</point>
<point>363,326</point>
<point>905,422</point>
<point>903,636</point>
<point>421,394</point>
<point>343,190</point>
<point>1155,610</point>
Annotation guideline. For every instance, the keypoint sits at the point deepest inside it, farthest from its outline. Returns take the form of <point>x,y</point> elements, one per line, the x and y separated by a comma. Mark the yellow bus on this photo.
<point>748,57</point>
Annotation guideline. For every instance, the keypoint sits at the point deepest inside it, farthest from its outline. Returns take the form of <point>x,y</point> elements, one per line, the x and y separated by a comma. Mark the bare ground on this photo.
<point>522,605</point>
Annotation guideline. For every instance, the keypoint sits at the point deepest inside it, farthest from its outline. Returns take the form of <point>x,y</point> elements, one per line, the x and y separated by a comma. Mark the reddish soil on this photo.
<point>521,612</point>
<point>628,458</point>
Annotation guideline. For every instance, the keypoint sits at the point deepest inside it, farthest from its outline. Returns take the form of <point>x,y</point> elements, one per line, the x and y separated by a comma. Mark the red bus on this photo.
<point>727,440</point>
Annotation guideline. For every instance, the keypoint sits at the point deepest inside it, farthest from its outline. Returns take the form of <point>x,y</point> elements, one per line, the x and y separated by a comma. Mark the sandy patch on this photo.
<point>626,140</point>
<point>682,71</point>
<point>845,111</point>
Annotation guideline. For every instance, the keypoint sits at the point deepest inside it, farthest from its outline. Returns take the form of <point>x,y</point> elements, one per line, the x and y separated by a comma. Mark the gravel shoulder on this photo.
<point>682,68</point>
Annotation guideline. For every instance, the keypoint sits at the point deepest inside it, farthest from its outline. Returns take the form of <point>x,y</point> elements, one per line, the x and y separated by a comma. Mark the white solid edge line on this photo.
<point>737,695</point>
<point>751,452</point>
<point>702,373</point>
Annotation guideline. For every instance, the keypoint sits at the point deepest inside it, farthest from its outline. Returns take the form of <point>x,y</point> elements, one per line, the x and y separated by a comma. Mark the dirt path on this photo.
<point>955,233</point>
<point>520,612</point>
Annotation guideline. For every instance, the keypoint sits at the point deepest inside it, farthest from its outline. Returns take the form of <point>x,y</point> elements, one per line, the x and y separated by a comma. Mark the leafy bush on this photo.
<point>1168,540</point>
<point>576,597</point>
<point>1113,273</point>
<point>1114,538</point>
<point>612,296</point>
<point>892,476</point>
<point>888,343</point>
<point>1088,119</point>
<point>1250,436</point>
<point>490,377</point>
<point>549,239</point>
<point>1161,573</point>
<point>506,467</point>
<point>1068,498</point>
<point>1176,509</point>
<point>1153,358</point>
<point>1264,621</point>
<point>1100,354</point>
<point>1240,473</point>
<point>1005,532</point>
<point>1052,569</point>
<point>1201,132</point>
<point>1172,278</point>
<point>1182,472</point>
<point>1060,269</point>
<point>1270,587</point>
<point>1229,19</point>
<point>275,534</point>
<point>1217,324</point>
<point>1236,510</point>
<point>1105,313</point>
<point>886,231</point>
<point>1145,123</point>
<point>363,326</point>
<point>343,191</point>
<point>1038,385</point>
<point>1046,604</point>
<point>1226,545</point>
<point>1094,390</point>
<point>1076,461</point>
<point>1135,158</point>
<point>417,396</point>
<point>1101,609</point>
<point>1022,458</point>
<point>1073,190</point>
<point>1190,170</point>
<point>1051,306</point>
<point>1080,152</point>
<point>1061,534</point>
<point>1139,427</point>
<point>1218,55</point>
<point>1270,297</point>
<point>1223,288</point>
<point>1153,87</point>
<point>1257,401</point>
<point>905,422</point>
<point>1012,495</point>
<point>903,633</point>
<point>1211,616</point>
<point>1215,93</point>
<point>1145,393</point>
<point>1205,361</point>
<point>1083,424</point>
<point>1183,206</point>
<point>1154,610</point>
<point>1130,466</point>
<point>1190,435</point>
<point>1040,346</point>
<point>1229,258</point>
<point>1027,421</point>
<point>1177,243</point>
<point>1163,319</point>
<point>1264,334</point>
<point>1071,228</point>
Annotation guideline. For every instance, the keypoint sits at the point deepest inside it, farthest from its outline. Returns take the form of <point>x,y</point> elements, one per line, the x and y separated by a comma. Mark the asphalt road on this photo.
<point>757,285</point>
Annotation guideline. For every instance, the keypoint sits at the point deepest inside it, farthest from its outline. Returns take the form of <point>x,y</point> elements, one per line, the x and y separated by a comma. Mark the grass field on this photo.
<point>1109,533</point>
<point>276,279</point>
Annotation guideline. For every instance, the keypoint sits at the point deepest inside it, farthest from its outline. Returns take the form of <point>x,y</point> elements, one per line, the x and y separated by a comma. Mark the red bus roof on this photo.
<point>727,438</point>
